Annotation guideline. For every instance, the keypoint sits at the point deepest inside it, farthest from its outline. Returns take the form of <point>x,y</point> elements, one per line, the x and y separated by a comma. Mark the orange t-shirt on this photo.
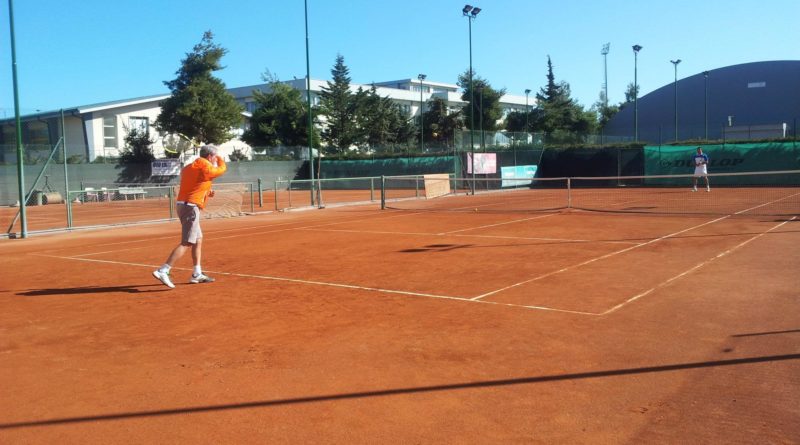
<point>196,180</point>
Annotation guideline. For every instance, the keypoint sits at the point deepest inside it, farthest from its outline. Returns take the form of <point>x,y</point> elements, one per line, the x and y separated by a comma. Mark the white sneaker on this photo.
<point>694,189</point>
<point>708,189</point>
<point>164,278</point>
<point>201,278</point>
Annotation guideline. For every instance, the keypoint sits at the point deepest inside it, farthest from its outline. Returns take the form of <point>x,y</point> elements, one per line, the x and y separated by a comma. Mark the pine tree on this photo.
<point>200,107</point>
<point>487,102</point>
<point>280,119</point>
<point>339,105</point>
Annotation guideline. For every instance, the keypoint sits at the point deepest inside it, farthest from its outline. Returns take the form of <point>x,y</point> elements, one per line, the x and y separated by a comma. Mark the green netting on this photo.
<point>387,167</point>
<point>728,158</point>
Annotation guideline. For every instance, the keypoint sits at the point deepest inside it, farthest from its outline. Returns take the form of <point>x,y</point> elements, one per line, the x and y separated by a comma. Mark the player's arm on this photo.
<point>211,172</point>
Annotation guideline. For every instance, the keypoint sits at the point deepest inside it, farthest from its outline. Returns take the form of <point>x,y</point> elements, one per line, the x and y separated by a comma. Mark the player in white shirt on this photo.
<point>700,169</point>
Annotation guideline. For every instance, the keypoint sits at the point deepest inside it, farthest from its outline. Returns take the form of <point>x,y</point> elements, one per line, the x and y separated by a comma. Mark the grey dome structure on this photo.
<point>747,101</point>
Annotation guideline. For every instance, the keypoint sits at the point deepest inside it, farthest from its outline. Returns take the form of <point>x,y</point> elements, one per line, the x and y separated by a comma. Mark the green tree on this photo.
<point>339,106</point>
<point>280,119</point>
<point>380,122</point>
<point>200,107</point>
<point>516,122</point>
<point>137,149</point>
<point>558,114</point>
<point>136,157</point>
<point>487,102</point>
<point>440,126</point>
<point>631,92</point>
<point>605,112</point>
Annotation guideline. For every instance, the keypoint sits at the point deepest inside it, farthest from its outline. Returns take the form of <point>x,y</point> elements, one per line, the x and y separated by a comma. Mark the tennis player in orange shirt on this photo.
<point>195,190</point>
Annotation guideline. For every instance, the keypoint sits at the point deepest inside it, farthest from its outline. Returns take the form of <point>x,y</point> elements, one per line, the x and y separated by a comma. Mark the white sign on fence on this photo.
<point>166,167</point>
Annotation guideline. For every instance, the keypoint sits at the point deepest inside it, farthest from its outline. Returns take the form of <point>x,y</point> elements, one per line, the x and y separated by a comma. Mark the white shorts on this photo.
<point>701,170</point>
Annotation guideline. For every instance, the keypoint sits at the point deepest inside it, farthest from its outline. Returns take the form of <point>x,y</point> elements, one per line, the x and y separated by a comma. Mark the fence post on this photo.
<point>383,192</point>
<point>252,198</point>
<point>171,202</point>
<point>276,195</point>
<point>260,197</point>
<point>372,189</point>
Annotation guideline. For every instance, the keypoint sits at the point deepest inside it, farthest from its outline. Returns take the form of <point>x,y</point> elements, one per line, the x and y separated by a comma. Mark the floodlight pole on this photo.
<point>470,13</point>
<point>23,218</point>
<point>636,49</point>
<point>308,100</point>
<point>675,63</point>
<point>604,52</point>
<point>527,112</point>
<point>421,77</point>
<point>705,108</point>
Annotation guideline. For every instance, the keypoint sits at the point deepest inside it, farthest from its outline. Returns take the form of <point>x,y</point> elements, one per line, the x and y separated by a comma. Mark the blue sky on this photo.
<point>89,51</point>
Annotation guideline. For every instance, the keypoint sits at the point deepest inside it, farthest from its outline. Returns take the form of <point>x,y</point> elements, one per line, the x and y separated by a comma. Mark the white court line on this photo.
<point>602,257</point>
<point>660,285</point>
<point>498,224</point>
<point>337,285</point>
<point>259,232</point>
<point>608,255</point>
<point>463,235</point>
<point>563,240</point>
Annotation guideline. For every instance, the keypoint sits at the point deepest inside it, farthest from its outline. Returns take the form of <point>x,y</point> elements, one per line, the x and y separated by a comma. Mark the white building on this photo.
<point>100,129</point>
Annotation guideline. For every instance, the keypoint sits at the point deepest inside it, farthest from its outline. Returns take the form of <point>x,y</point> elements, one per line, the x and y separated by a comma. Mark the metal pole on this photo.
<point>260,194</point>
<point>308,100</point>
<point>66,177</point>
<point>636,49</point>
<point>472,107</point>
<point>383,192</point>
<point>675,63</point>
<point>705,108</point>
<point>480,122</point>
<point>23,220</point>
<point>421,77</point>
<point>605,50</point>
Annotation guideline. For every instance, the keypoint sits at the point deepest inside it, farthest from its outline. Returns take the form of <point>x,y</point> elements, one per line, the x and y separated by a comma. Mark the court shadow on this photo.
<point>129,289</point>
<point>437,248</point>
<point>403,391</point>
<point>756,334</point>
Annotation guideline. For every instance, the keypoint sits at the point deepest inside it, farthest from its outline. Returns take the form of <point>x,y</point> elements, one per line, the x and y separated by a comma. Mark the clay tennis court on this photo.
<point>360,325</point>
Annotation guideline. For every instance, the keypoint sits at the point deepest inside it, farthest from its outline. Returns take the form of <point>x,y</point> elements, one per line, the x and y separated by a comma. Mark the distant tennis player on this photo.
<point>195,190</point>
<point>700,169</point>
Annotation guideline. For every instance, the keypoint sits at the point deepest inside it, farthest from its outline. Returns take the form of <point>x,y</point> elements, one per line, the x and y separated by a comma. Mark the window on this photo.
<point>110,132</point>
<point>141,124</point>
<point>38,133</point>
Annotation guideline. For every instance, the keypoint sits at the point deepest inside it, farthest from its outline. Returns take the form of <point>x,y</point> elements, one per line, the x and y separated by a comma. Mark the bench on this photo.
<point>131,191</point>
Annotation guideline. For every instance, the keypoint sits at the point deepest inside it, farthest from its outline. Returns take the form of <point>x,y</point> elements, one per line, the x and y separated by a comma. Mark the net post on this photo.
<point>372,189</point>
<point>416,186</point>
<point>569,193</point>
<point>252,198</point>
<point>383,192</point>
<point>289,192</point>
<point>260,196</point>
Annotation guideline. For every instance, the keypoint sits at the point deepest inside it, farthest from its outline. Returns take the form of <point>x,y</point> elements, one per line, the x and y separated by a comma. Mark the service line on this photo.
<point>698,266</point>
<point>328,284</point>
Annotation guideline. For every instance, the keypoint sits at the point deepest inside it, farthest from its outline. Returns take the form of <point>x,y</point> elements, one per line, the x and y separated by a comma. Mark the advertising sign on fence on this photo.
<point>166,167</point>
<point>485,163</point>
<point>518,175</point>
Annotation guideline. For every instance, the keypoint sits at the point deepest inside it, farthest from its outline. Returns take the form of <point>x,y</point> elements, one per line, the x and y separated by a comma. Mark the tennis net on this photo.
<point>755,193</point>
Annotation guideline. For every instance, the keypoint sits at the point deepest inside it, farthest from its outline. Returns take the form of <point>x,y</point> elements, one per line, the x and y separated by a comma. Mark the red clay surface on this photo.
<point>355,325</point>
